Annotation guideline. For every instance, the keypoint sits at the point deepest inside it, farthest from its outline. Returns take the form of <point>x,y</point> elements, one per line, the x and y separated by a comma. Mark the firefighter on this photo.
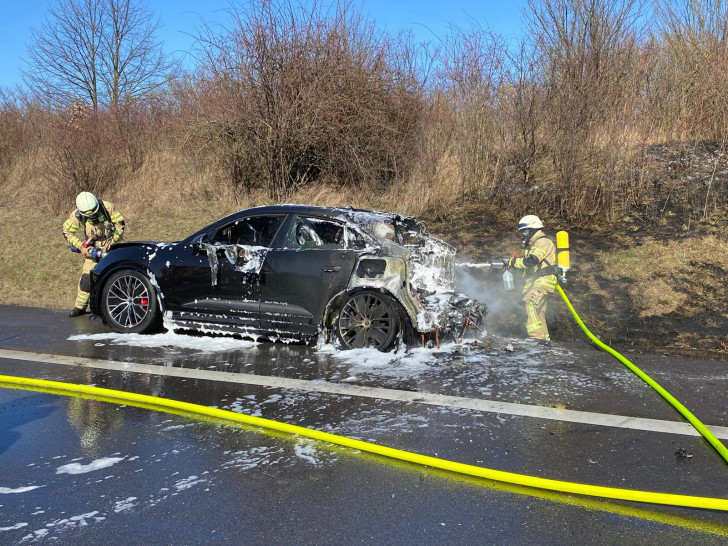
<point>539,265</point>
<point>93,227</point>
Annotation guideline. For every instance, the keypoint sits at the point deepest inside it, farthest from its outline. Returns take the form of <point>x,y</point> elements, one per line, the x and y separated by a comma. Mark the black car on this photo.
<point>291,272</point>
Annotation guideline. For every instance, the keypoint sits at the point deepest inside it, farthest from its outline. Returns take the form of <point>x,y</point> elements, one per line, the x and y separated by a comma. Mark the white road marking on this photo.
<point>489,406</point>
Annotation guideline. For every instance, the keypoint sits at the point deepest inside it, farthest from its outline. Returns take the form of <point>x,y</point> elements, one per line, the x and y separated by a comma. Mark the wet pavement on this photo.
<point>79,470</point>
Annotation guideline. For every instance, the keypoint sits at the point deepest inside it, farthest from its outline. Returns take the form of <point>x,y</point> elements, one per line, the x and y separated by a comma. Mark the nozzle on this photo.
<point>498,265</point>
<point>97,254</point>
<point>490,265</point>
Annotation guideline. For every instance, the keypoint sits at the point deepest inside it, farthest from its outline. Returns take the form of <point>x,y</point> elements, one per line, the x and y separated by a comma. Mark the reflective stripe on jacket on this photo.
<point>541,251</point>
<point>106,231</point>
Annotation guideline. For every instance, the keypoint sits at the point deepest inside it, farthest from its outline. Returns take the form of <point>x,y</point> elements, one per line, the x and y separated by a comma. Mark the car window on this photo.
<point>253,231</point>
<point>309,233</point>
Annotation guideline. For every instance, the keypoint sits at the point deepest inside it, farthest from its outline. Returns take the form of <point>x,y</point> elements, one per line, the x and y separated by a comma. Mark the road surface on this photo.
<point>82,471</point>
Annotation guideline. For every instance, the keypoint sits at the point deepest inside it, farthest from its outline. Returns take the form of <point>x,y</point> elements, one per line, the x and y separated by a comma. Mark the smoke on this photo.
<point>504,309</point>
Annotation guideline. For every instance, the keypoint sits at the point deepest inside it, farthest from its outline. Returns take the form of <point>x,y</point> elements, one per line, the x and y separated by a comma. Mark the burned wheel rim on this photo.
<point>127,301</point>
<point>367,320</point>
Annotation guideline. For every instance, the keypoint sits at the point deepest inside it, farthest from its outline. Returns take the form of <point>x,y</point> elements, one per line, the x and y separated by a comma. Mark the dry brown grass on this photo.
<point>668,276</point>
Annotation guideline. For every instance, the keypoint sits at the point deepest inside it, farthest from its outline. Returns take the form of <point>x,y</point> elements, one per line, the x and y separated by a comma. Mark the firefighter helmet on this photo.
<point>86,203</point>
<point>530,221</point>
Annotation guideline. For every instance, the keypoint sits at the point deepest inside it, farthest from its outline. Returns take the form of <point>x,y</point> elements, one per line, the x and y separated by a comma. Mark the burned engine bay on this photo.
<point>443,312</point>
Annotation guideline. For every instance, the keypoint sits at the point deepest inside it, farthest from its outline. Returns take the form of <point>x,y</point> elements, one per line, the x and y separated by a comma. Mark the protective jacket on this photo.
<point>539,265</point>
<point>540,258</point>
<point>106,229</point>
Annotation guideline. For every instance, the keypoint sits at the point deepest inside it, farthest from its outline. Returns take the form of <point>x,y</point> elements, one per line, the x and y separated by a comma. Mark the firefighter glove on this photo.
<point>86,251</point>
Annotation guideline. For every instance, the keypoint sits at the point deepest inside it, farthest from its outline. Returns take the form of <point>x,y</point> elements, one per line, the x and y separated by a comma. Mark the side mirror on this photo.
<point>199,242</point>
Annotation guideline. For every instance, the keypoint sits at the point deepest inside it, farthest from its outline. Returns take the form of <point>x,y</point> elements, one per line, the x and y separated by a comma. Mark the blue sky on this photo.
<point>180,18</point>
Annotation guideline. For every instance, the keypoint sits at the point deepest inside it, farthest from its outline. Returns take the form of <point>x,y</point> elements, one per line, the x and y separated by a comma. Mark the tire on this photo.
<point>368,319</point>
<point>129,303</point>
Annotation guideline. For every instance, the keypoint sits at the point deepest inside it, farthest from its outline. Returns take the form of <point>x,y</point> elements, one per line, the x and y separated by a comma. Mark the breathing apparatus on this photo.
<point>527,227</point>
<point>562,255</point>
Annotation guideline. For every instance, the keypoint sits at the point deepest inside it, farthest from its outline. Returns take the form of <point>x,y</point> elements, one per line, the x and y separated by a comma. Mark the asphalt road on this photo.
<point>82,471</point>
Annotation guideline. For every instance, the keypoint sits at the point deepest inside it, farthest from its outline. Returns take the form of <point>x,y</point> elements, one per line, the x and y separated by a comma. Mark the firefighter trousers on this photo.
<point>535,298</point>
<point>84,285</point>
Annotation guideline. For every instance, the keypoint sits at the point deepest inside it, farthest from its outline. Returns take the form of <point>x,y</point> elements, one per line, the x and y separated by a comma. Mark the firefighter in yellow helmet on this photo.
<point>539,265</point>
<point>91,229</point>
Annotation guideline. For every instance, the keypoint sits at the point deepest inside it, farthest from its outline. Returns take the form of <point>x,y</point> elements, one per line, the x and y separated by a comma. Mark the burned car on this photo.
<point>294,273</point>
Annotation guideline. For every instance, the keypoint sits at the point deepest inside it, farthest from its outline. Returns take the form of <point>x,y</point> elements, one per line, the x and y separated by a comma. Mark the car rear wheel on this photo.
<point>368,319</point>
<point>129,303</point>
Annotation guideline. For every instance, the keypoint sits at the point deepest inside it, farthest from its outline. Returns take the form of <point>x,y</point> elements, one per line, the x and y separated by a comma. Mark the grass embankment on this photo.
<point>660,288</point>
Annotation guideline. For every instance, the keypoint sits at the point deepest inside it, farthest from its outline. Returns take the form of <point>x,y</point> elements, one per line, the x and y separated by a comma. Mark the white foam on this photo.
<point>12,528</point>
<point>169,339</point>
<point>254,457</point>
<point>386,364</point>
<point>187,483</point>
<point>125,504</point>
<point>8,491</point>
<point>98,464</point>
<point>307,452</point>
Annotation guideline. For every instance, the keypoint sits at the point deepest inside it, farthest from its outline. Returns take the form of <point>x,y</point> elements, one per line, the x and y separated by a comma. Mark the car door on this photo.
<point>217,279</point>
<point>313,263</point>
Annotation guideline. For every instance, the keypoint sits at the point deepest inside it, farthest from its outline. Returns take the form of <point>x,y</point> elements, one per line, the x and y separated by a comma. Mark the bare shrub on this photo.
<point>11,131</point>
<point>295,93</point>
<point>693,72</point>
<point>469,68</point>
<point>86,155</point>
<point>521,103</point>
<point>434,182</point>
<point>587,49</point>
<point>22,126</point>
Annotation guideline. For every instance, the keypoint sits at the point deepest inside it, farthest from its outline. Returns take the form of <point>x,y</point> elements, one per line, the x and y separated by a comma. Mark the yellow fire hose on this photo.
<point>204,412</point>
<point>699,426</point>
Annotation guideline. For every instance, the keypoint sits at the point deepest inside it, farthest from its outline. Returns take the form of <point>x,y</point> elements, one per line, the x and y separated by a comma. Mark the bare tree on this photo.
<point>102,52</point>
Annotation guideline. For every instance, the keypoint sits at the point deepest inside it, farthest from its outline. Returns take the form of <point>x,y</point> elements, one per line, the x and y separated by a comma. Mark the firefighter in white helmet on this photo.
<point>539,265</point>
<point>91,228</point>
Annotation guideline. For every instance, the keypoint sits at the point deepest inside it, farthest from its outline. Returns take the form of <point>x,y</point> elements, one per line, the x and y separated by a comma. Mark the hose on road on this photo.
<point>699,426</point>
<point>203,412</point>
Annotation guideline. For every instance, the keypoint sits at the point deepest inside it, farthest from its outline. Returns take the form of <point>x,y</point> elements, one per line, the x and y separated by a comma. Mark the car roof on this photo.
<point>332,212</point>
<point>356,216</point>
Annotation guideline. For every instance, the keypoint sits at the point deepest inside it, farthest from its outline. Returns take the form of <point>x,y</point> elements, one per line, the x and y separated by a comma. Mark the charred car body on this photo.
<point>291,272</point>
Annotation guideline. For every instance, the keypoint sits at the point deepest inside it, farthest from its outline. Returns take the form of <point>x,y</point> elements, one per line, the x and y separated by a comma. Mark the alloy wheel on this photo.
<point>367,320</point>
<point>127,302</point>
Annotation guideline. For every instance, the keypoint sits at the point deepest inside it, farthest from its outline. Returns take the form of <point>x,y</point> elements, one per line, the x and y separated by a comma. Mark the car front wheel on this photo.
<point>368,319</point>
<point>129,303</point>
